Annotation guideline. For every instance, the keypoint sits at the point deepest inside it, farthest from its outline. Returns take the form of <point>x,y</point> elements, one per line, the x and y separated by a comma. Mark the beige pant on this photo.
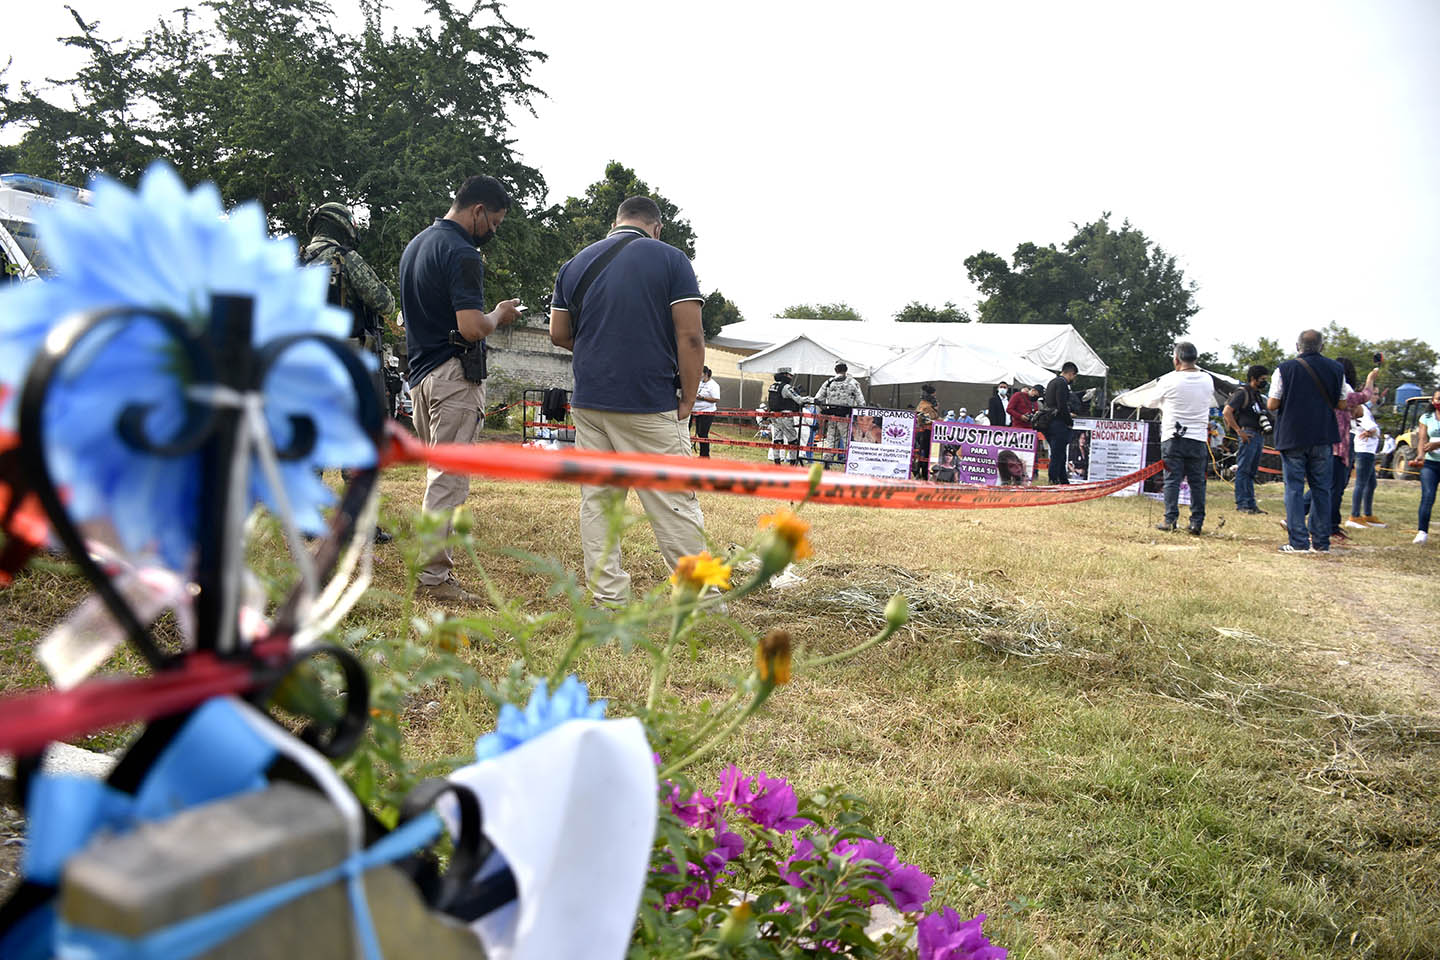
<point>674,515</point>
<point>446,408</point>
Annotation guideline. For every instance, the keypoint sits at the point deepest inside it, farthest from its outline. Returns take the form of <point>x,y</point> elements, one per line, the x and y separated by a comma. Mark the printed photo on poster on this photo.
<point>1106,449</point>
<point>1077,457</point>
<point>973,453</point>
<point>880,442</point>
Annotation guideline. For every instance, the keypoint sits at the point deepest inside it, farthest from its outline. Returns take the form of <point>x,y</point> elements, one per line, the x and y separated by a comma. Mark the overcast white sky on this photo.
<point>1288,153</point>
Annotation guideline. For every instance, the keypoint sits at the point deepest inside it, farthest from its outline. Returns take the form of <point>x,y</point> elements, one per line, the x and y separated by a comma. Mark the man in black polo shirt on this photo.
<point>1242,416</point>
<point>443,298</point>
<point>628,307</point>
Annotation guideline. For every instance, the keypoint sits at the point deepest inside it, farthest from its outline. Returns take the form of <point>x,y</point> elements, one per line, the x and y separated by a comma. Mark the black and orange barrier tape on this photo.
<point>737,414</point>
<point>664,472</point>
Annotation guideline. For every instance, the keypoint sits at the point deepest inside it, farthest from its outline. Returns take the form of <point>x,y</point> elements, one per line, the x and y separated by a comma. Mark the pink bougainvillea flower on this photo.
<point>941,936</point>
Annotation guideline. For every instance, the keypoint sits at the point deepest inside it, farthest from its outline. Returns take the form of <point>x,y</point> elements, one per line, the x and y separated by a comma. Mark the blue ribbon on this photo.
<point>215,755</point>
<point>208,930</point>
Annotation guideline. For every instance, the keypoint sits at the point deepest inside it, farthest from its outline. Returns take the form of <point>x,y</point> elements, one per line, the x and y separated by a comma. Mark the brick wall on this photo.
<point>523,358</point>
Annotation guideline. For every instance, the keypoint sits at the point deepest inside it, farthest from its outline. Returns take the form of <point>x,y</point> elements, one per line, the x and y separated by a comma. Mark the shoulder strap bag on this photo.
<point>1316,377</point>
<point>588,277</point>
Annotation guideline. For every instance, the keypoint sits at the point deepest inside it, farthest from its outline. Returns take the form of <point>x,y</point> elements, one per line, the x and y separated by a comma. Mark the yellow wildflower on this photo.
<point>736,925</point>
<point>700,571</point>
<point>791,530</point>
<point>772,657</point>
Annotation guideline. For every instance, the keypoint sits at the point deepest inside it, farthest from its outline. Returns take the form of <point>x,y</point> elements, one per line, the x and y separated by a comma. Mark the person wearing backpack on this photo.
<point>354,287</point>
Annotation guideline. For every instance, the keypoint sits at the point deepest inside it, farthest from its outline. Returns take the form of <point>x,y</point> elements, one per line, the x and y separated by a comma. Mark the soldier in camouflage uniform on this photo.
<point>353,285</point>
<point>836,396</point>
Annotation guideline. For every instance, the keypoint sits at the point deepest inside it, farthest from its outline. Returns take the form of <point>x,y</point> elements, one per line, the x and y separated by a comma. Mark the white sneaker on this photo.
<point>1356,525</point>
<point>1421,537</point>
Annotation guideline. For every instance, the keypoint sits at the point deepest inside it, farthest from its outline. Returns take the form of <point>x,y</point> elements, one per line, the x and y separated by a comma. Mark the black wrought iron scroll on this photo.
<point>221,367</point>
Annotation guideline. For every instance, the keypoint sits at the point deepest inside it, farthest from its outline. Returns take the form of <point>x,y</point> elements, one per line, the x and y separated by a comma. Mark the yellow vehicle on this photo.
<point>1399,463</point>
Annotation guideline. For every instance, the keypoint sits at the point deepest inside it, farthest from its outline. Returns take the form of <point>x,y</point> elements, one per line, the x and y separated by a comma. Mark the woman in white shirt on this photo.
<point>707,400</point>
<point>1367,443</point>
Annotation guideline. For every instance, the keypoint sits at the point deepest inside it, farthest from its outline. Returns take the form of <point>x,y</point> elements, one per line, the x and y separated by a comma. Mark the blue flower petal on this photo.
<point>542,713</point>
<point>168,248</point>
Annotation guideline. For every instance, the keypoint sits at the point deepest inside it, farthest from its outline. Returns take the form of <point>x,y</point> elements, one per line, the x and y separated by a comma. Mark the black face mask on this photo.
<point>483,238</point>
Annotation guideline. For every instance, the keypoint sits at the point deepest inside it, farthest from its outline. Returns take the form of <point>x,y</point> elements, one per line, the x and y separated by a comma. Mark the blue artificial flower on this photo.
<point>542,714</point>
<point>163,247</point>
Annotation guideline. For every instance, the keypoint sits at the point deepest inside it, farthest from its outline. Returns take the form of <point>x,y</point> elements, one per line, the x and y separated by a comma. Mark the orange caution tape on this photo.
<point>663,472</point>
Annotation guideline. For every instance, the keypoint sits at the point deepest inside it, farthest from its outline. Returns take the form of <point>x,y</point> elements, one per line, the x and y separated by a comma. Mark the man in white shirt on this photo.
<point>1185,398</point>
<point>707,398</point>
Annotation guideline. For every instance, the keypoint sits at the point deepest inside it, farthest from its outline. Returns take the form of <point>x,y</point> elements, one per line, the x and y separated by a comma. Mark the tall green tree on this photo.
<point>1123,293</point>
<point>272,101</point>
<point>717,312</point>
<point>583,220</point>
<point>1266,351</point>
<point>1406,360</point>
<point>917,312</point>
<point>821,311</point>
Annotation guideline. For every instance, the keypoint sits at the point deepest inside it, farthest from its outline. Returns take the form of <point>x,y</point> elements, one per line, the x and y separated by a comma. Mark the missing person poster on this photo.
<point>880,442</point>
<point>1106,449</point>
<point>971,453</point>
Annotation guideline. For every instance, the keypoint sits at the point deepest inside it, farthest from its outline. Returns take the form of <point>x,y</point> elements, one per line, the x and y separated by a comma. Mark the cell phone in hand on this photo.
<point>1379,359</point>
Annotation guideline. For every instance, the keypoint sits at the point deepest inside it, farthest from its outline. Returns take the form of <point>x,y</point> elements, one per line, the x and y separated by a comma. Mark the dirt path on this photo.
<point>1396,640</point>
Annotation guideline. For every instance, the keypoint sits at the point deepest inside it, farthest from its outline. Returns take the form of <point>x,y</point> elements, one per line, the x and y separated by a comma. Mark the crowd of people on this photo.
<point>1324,429</point>
<point>628,307</point>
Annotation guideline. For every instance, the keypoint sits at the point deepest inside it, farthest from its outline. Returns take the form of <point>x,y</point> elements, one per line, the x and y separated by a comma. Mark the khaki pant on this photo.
<point>674,515</point>
<point>446,408</point>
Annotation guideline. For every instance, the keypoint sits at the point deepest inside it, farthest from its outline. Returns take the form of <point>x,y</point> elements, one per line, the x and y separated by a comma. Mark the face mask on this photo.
<point>1003,391</point>
<point>483,238</point>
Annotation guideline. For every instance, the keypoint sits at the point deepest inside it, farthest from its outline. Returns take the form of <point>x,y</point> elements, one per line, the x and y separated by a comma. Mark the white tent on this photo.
<point>942,360</point>
<point>1046,344</point>
<point>1147,395</point>
<point>805,356</point>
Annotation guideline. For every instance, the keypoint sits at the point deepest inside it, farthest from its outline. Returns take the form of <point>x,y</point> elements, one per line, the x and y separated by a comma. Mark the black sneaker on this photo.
<point>381,536</point>
<point>1194,530</point>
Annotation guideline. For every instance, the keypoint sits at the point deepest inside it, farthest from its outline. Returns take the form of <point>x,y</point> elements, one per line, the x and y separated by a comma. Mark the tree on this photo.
<point>1267,352</point>
<point>271,101</point>
<point>821,311</point>
<point>1124,294</point>
<point>1406,361</point>
<point>917,312</point>
<point>583,220</point>
<point>717,312</point>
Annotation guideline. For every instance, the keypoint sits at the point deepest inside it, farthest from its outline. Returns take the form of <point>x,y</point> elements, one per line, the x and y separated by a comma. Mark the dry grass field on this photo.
<point>1116,742</point>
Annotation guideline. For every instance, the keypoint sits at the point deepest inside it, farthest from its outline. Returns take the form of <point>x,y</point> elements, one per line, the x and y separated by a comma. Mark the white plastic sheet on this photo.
<point>572,812</point>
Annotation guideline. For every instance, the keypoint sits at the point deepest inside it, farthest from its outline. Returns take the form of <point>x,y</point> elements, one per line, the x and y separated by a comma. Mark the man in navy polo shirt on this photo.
<point>1306,390</point>
<point>442,294</point>
<point>639,347</point>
